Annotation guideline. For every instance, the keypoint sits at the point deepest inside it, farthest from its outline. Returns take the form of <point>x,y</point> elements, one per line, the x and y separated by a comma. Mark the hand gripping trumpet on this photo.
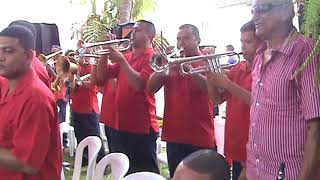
<point>211,62</point>
<point>96,50</point>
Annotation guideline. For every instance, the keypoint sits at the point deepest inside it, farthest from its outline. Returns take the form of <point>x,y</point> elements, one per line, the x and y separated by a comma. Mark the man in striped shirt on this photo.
<point>285,110</point>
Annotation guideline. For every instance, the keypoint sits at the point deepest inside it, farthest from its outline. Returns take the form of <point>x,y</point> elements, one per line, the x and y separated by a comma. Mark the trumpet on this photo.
<point>212,62</point>
<point>45,58</point>
<point>89,48</point>
<point>64,68</point>
<point>80,79</point>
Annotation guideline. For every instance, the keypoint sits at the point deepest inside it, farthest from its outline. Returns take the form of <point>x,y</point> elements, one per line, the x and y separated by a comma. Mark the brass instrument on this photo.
<point>212,62</point>
<point>64,69</point>
<point>45,58</point>
<point>80,79</point>
<point>96,50</point>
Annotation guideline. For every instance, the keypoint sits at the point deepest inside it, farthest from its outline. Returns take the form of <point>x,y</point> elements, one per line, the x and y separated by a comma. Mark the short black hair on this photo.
<point>149,27</point>
<point>68,52</point>
<point>26,24</point>
<point>208,162</point>
<point>230,47</point>
<point>249,26</point>
<point>195,30</point>
<point>23,34</point>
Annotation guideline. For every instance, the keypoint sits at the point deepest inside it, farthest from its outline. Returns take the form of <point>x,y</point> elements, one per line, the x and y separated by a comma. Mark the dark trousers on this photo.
<point>62,117</point>
<point>177,152</point>
<point>140,149</point>
<point>236,170</point>
<point>87,125</point>
<point>108,134</point>
<point>62,112</point>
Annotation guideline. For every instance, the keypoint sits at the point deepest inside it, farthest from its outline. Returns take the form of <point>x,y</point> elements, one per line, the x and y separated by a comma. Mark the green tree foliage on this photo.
<point>311,28</point>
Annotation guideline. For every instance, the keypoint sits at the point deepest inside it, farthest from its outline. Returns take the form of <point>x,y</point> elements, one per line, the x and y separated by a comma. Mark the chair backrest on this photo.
<point>144,176</point>
<point>119,163</point>
<point>62,174</point>
<point>94,145</point>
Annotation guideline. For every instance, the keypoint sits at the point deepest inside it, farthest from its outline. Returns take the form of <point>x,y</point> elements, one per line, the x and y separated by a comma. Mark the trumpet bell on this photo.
<point>45,58</point>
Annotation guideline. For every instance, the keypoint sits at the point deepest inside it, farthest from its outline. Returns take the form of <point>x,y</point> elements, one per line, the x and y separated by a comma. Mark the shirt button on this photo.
<point>260,66</point>
<point>257,104</point>
<point>261,84</point>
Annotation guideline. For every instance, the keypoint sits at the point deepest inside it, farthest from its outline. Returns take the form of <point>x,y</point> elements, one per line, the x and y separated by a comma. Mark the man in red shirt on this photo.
<point>188,117</point>
<point>30,147</point>
<point>85,109</point>
<point>136,127</point>
<point>107,116</point>
<point>237,87</point>
<point>36,63</point>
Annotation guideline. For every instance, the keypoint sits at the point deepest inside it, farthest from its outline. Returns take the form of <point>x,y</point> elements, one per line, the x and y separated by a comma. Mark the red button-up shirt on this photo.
<point>29,127</point>
<point>280,110</point>
<point>237,115</point>
<point>41,71</point>
<point>84,100</point>
<point>135,111</point>
<point>188,116</point>
<point>107,115</point>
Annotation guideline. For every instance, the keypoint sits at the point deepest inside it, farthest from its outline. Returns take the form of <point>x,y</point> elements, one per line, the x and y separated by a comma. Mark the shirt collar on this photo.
<point>287,46</point>
<point>147,51</point>
<point>244,66</point>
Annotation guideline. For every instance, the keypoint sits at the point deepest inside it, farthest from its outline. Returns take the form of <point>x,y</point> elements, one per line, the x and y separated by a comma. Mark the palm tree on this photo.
<point>126,11</point>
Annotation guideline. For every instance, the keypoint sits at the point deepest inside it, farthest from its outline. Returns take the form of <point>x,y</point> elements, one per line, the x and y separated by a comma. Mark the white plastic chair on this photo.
<point>119,163</point>
<point>66,128</point>
<point>62,174</point>
<point>161,156</point>
<point>219,126</point>
<point>94,145</point>
<point>104,138</point>
<point>144,176</point>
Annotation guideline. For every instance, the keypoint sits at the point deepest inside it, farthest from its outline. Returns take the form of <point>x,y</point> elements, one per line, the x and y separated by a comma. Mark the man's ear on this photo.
<point>151,37</point>
<point>29,54</point>
<point>199,40</point>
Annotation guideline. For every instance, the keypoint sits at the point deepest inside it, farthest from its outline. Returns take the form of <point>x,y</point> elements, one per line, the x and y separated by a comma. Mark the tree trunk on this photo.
<point>94,7</point>
<point>126,11</point>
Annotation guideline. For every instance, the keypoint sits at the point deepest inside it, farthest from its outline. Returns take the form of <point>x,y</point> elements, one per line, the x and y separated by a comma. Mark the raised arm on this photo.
<point>156,81</point>
<point>222,81</point>
<point>99,73</point>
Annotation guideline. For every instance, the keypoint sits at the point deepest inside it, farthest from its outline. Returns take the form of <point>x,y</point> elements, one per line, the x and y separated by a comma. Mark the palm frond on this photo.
<point>160,43</point>
<point>311,28</point>
<point>142,6</point>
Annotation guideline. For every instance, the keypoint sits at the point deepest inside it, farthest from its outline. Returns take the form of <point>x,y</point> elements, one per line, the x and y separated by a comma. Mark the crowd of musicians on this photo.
<point>272,112</point>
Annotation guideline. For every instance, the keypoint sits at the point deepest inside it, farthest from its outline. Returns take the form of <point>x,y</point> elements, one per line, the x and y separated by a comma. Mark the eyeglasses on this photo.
<point>264,8</point>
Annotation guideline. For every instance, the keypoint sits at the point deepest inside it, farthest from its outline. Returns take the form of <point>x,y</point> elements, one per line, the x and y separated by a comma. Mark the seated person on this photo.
<point>203,165</point>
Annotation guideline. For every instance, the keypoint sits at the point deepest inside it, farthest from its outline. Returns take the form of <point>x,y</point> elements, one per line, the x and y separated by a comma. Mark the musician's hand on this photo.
<point>116,56</point>
<point>219,80</point>
<point>208,50</point>
<point>86,83</point>
<point>187,67</point>
<point>243,175</point>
